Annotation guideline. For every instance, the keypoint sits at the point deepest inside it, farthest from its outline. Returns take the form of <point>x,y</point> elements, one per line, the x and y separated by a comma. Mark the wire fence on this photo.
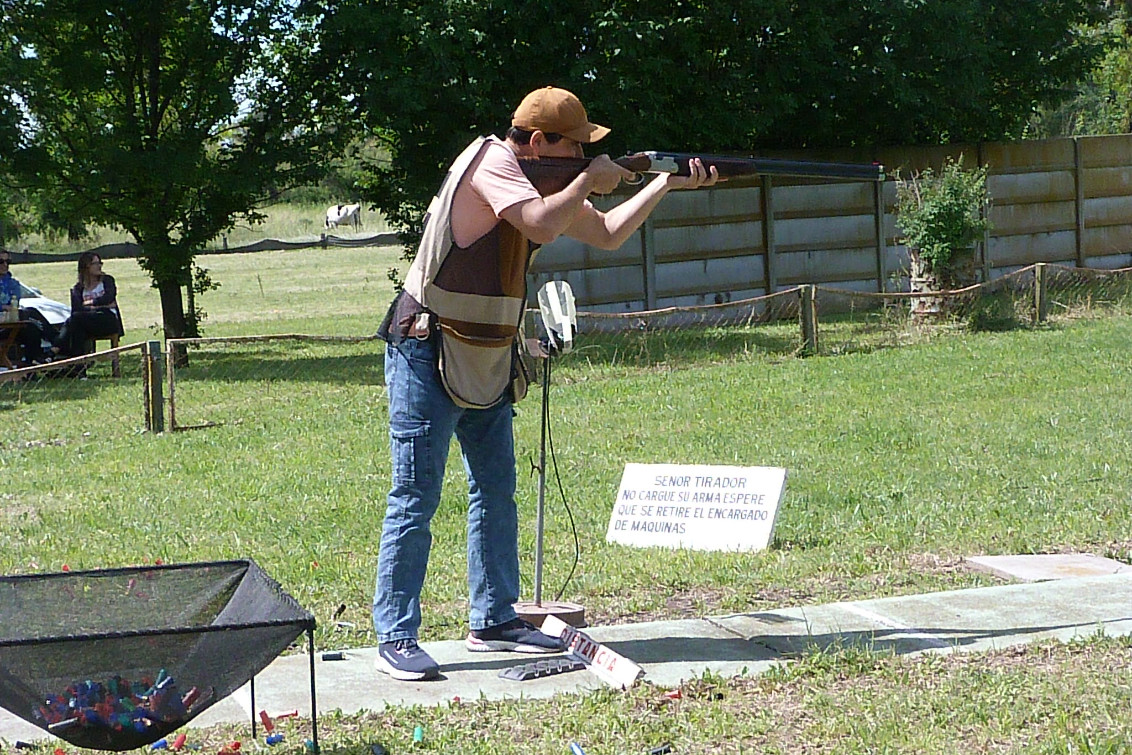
<point>322,380</point>
<point>66,401</point>
<point>822,320</point>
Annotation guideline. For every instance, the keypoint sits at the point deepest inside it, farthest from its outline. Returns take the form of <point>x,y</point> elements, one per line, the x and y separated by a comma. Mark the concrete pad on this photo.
<point>1039,567</point>
<point>673,651</point>
<point>793,631</point>
<point>353,684</point>
<point>991,618</point>
<point>15,729</point>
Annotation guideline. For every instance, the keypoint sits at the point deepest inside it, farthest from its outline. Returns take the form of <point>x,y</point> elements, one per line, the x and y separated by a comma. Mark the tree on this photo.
<point>740,76</point>
<point>169,119</point>
<point>1101,102</point>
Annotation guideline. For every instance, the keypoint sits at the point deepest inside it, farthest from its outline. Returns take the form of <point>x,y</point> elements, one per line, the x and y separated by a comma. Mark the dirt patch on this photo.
<point>13,507</point>
<point>10,510</point>
<point>687,604</point>
<point>42,443</point>
<point>782,596</point>
<point>1121,550</point>
<point>930,563</point>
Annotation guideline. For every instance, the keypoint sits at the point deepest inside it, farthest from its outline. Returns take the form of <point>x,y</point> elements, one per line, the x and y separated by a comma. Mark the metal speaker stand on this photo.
<point>556,303</point>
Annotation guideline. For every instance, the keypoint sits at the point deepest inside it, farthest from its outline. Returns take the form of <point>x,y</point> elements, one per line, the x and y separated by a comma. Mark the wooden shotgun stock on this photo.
<point>553,174</point>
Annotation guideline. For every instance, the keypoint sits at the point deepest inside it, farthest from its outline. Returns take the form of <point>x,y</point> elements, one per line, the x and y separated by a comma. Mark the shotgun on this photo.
<point>552,174</point>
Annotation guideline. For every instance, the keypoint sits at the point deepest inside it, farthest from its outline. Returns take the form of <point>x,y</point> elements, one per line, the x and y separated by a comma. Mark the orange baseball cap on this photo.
<point>556,111</point>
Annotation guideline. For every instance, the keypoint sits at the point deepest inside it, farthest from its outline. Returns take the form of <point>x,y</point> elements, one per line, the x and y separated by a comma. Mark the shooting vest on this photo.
<point>477,295</point>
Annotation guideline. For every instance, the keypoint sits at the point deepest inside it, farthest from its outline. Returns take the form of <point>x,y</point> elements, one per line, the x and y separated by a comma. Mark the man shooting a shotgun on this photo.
<point>451,364</point>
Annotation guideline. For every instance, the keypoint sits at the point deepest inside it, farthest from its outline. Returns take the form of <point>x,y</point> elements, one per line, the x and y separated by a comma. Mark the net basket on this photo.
<point>116,659</point>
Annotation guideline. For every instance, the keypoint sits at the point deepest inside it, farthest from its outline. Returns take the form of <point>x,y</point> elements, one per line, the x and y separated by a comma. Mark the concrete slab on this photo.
<point>352,685</point>
<point>15,729</point>
<point>674,651</point>
<point>991,618</point>
<point>793,631</point>
<point>668,651</point>
<point>671,652</point>
<point>1040,567</point>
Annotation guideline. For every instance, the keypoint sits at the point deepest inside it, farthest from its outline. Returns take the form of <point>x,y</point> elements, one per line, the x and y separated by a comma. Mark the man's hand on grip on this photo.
<point>605,175</point>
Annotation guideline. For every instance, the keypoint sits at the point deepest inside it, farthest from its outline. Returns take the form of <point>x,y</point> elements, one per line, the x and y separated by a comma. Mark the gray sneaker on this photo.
<point>404,660</point>
<point>517,636</point>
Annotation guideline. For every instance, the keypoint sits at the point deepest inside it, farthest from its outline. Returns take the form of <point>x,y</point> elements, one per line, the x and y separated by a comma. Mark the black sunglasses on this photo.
<point>5,260</point>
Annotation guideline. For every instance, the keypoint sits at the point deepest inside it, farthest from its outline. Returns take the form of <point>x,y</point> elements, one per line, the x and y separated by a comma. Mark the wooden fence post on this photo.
<point>152,378</point>
<point>1041,305</point>
<point>878,226</point>
<point>1079,203</point>
<point>982,247</point>
<point>769,271</point>
<point>648,260</point>
<point>809,315</point>
<point>171,377</point>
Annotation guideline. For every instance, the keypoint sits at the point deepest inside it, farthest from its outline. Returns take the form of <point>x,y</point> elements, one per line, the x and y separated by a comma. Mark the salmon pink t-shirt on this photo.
<point>494,181</point>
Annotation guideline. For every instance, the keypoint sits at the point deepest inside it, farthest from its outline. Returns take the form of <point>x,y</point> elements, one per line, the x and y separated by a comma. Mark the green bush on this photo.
<point>941,214</point>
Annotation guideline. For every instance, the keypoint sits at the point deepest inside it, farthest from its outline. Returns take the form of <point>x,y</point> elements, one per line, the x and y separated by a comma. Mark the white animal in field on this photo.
<point>344,214</point>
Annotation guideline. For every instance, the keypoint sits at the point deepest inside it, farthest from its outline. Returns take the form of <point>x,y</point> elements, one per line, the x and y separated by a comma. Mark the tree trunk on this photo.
<point>922,280</point>
<point>172,309</point>
<point>173,317</point>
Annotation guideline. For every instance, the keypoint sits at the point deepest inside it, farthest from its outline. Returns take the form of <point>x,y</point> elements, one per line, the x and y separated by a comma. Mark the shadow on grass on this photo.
<point>355,369</point>
<point>859,332</point>
<point>635,348</point>
<point>52,388</point>
<point>675,645</point>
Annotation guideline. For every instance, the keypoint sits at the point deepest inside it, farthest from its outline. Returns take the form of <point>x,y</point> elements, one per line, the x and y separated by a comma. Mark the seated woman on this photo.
<point>94,309</point>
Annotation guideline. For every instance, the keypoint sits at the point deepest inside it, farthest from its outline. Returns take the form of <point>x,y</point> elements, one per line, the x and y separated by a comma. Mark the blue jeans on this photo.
<point>422,420</point>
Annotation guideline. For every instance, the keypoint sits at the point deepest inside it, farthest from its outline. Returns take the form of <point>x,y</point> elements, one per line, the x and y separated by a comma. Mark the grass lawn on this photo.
<point>900,460</point>
<point>334,291</point>
<point>286,220</point>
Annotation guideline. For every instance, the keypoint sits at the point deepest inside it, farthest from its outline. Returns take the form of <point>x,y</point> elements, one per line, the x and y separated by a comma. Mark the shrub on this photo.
<point>942,214</point>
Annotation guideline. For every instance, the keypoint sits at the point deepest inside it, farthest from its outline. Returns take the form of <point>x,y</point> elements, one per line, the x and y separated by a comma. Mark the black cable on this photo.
<point>561,490</point>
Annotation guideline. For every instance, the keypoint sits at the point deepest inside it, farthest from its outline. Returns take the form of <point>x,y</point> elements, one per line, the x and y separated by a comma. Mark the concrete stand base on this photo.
<point>571,613</point>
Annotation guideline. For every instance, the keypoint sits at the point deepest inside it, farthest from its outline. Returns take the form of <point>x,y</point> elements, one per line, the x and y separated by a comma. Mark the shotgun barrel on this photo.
<point>552,174</point>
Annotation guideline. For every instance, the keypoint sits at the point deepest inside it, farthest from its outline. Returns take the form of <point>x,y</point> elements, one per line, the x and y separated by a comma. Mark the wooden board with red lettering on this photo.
<point>609,666</point>
<point>701,507</point>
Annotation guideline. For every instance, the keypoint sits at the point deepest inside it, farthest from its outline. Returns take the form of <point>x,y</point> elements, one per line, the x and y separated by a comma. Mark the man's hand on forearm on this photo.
<point>699,176</point>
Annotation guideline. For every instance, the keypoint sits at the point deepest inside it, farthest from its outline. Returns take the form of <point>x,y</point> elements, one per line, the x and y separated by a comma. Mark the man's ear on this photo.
<point>538,141</point>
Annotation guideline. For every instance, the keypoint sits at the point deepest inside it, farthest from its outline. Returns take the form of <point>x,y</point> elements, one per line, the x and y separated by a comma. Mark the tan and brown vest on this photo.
<point>477,293</point>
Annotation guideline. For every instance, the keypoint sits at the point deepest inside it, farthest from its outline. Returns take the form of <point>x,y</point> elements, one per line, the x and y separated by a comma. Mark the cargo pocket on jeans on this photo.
<point>410,452</point>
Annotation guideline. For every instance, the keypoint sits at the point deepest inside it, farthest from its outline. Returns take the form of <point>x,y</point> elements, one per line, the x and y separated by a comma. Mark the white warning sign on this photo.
<point>698,507</point>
